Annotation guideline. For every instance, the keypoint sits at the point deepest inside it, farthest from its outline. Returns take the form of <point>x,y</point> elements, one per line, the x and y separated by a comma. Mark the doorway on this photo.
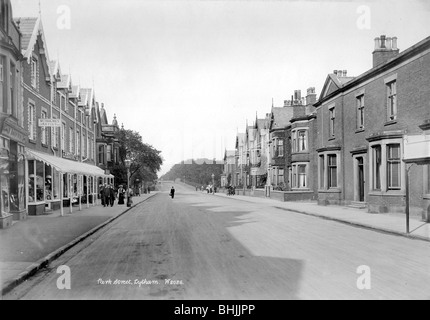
<point>361,181</point>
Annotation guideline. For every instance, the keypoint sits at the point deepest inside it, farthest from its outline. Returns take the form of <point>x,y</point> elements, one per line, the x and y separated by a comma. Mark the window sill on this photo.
<point>359,130</point>
<point>426,196</point>
<point>331,138</point>
<point>390,193</point>
<point>332,190</point>
<point>390,122</point>
<point>32,141</point>
<point>44,145</point>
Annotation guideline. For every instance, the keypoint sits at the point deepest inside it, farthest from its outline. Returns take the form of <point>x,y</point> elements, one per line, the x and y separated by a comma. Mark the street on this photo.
<point>201,246</point>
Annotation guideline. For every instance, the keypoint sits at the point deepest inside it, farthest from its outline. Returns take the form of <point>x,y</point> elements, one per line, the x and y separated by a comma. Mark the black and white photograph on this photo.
<point>209,154</point>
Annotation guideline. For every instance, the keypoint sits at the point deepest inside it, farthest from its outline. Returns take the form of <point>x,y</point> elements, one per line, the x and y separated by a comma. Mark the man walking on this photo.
<point>172,192</point>
<point>106,196</point>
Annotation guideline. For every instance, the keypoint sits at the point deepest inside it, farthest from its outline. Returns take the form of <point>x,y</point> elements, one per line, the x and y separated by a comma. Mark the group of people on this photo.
<point>231,191</point>
<point>108,195</point>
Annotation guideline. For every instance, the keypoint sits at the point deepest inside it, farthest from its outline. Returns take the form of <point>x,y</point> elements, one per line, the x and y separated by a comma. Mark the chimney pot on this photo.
<point>389,43</point>
<point>311,90</point>
<point>394,43</point>
<point>345,73</point>
<point>339,73</point>
<point>377,43</point>
<point>335,72</point>
<point>383,38</point>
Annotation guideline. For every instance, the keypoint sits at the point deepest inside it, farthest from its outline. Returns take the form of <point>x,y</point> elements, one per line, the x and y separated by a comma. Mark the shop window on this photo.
<point>31,182</point>
<point>4,178</point>
<point>40,183</point>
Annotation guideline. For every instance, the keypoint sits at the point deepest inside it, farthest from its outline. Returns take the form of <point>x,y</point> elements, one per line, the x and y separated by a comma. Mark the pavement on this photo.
<point>392,223</point>
<point>28,246</point>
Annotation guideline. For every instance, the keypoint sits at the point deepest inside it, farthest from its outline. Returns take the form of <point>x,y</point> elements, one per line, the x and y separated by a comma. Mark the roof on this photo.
<point>401,57</point>
<point>75,92</point>
<point>281,117</point>
<point>64,83</point>
<point>86,96</point>
<point>26,27</point>
<point>240,139</point>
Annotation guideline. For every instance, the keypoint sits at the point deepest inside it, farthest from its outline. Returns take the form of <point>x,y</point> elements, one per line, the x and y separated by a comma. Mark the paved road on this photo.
<point>216,248</point>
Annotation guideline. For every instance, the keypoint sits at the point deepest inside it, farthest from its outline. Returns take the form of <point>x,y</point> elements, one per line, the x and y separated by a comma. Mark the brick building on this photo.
<point>366,123</point>
<point>60,156</point>
<point>13,133</point>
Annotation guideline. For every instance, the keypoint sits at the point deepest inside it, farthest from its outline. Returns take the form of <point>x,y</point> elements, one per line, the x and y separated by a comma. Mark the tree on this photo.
<point>146,161</point>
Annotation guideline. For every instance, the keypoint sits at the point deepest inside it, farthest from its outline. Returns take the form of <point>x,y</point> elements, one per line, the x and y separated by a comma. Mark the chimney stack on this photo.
<point>385,50</point>
<point>311,96</point>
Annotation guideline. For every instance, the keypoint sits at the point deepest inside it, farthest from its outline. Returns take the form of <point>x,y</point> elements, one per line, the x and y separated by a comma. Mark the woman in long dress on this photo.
<point>121,192</point>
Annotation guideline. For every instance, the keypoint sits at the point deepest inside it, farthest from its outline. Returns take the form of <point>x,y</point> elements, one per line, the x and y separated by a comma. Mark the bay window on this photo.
<point>393,167</point>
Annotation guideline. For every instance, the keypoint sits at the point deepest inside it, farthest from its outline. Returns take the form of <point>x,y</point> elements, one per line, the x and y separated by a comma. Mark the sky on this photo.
<point>188,75</point>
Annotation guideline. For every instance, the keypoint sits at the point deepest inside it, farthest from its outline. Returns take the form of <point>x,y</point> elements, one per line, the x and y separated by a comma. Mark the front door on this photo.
<point>360,179</point>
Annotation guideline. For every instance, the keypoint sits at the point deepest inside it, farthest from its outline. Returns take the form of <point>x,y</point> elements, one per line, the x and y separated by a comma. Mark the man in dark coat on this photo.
<point>172,192</point>
<point>106,196</point>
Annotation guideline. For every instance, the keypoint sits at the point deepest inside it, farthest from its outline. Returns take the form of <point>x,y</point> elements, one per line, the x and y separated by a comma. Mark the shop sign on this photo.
<point>70,156</point>
<point>13,133</point>
<point>49,123</point>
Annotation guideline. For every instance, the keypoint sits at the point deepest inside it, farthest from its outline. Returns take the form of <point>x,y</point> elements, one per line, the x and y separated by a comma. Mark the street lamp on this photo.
<point>128,165</point>
<point>213,183</point>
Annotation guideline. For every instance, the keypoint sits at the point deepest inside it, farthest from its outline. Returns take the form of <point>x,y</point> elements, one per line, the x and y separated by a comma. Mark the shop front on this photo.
<point>12,173</point>
<point>55,183</point>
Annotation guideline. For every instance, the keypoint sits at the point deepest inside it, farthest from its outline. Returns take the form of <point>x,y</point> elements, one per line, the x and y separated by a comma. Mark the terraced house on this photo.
<point>373,131</point>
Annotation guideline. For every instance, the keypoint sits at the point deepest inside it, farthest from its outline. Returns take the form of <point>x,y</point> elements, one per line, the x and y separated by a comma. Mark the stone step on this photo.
<point>358,205</point>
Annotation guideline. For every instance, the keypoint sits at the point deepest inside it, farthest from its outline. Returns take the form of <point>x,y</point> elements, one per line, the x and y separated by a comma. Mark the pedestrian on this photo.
<point>106,196</point>
<point>101,193</point>
<point>172,192</point>
<point>121,193</point>
<point>129,197</point>
<point>112,195</point>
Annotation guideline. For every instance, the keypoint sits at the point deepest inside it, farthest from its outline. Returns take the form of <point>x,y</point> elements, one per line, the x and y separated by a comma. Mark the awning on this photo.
<point>67,166</point>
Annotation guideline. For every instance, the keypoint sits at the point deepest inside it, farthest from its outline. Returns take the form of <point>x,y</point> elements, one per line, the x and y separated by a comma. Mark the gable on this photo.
<point>329,87</point>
